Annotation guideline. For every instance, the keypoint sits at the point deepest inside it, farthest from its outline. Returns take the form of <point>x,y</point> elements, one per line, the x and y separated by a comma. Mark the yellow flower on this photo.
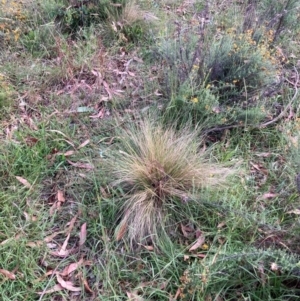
<point>205,247</point>
<point>194,100</point>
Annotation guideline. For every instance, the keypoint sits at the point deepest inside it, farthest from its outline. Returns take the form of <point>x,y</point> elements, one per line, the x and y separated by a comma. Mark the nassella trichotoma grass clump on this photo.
<point>159,170</point>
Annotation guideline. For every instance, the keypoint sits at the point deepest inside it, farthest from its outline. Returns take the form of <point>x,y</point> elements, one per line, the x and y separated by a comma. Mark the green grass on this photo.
<point>118,123</point>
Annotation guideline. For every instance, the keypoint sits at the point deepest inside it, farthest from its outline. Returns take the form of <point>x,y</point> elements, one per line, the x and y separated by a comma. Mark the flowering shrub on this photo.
<point>225,77</point>
<point>241,63</point>
<point>12,15</point>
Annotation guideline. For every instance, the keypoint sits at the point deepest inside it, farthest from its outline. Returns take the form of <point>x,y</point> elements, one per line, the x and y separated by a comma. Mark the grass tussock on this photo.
<point>159,169</point>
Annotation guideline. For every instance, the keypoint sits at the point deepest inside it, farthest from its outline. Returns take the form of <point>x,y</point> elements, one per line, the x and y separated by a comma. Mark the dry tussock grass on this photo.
<point>157,168</point>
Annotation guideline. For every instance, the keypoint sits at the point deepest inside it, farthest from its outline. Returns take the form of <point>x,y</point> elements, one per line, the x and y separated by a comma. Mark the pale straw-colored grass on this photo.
<point>156,167</point>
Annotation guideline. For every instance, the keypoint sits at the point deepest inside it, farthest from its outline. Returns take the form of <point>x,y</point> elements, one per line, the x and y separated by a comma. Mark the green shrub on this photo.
<point>238,65</point>
<point>281,16</point>
<point>228,70</point>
